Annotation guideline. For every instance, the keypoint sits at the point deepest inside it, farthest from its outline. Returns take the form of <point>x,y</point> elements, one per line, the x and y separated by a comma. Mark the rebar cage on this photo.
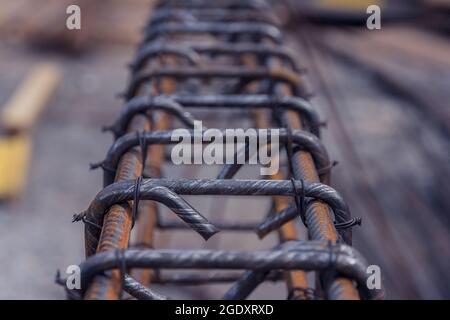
<point>217,56</point>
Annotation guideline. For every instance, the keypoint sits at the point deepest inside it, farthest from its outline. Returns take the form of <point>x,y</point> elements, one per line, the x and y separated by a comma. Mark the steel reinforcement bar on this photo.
<point>218,56</point>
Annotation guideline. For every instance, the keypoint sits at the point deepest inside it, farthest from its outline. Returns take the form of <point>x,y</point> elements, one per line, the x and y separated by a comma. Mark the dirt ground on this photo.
<point>37,235</point>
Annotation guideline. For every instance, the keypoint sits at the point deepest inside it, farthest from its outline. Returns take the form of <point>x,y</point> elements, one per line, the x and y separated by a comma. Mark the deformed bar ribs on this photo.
<point>217,56</point>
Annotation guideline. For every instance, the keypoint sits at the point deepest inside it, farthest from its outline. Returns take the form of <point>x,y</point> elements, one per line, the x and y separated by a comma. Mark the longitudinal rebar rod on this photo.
<point>218,56</point>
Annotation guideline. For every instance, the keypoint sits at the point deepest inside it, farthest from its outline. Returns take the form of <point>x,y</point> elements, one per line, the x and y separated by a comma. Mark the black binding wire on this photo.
<point>120,255</point>
<point>302,294</point>
<point>143,145</point>
<point>137,186</point>
<point>299,199</point>
<point>82,217</point>
<point>348,224</point>
<point>86,221</point>
<point>94,166</point>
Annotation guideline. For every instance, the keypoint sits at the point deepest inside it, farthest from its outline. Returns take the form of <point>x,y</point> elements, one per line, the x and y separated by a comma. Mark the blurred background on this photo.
<point>384,94</point>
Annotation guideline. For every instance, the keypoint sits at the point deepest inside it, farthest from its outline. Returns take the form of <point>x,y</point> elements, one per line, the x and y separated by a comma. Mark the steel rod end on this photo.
<point>261,232</point>
<point>208,234</point>
<point>78,217</point>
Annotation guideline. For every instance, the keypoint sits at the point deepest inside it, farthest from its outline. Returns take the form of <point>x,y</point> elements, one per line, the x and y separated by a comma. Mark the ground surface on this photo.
<point>393,170</point>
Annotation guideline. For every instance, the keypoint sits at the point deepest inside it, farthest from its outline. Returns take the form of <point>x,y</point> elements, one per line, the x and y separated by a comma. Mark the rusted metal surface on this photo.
<point>311,255</point>
<point>115,232</point>
<point>228,64</point>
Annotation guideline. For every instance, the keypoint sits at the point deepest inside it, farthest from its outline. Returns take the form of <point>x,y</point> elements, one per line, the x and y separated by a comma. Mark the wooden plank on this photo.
<point>14,161</point>
<point>26,104</point>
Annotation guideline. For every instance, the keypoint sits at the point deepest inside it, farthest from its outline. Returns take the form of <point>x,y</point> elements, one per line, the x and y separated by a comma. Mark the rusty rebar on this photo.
<point>185,45</point>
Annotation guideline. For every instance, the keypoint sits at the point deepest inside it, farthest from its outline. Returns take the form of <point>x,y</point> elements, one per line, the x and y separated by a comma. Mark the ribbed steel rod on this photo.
<point>306,256</point>
<point>218,56</point>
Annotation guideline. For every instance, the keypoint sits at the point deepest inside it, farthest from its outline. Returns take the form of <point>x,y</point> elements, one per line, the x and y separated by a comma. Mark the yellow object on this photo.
<point>28,101</point>
<point>15,153</point>
<point>17,118</point>
<point>349,4</point>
